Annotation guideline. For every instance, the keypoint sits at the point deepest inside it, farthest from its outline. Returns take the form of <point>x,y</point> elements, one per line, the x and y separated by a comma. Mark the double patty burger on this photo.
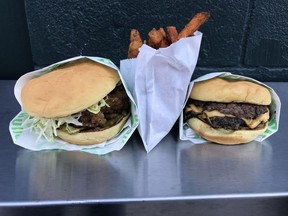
<point>228,111</point>
<point>82,102</point>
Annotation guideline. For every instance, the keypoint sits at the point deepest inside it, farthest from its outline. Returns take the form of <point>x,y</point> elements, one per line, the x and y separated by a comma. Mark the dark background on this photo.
<point>248,37</point>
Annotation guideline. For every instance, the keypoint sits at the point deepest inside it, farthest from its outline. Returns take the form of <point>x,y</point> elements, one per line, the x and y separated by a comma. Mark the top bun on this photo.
<point>68,89</point>
<point>225,91</point>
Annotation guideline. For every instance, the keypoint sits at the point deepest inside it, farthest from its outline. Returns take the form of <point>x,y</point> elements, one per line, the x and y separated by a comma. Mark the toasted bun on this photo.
<point>68,89</point>
<point>90,138</point>
<point>222,136</point>
<point>223,90</point>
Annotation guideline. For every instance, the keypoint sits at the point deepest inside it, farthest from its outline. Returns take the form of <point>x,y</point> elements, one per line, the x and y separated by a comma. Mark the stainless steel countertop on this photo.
<point>173,171</point>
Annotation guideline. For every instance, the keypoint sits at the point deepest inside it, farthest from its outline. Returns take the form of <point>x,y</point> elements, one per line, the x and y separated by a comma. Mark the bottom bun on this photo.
<point>90,138</point>
<point>222,136</point>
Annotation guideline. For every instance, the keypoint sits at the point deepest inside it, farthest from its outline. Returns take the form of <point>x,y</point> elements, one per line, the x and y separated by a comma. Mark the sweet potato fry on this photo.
<point>135,43</point>
<point>134,49</point>
<point>172,34</point>
<point>155,38</point>
<point>164,42</point>
<point>135,35</point>
<point>194,24</point>
<point>165,37</point>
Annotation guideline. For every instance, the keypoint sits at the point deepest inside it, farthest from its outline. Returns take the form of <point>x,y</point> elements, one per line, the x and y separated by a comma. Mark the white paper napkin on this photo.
<point>159,80</point>
<point>27,139</point>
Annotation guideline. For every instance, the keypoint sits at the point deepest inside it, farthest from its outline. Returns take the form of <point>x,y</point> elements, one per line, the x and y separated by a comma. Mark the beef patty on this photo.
<point>238,110</point>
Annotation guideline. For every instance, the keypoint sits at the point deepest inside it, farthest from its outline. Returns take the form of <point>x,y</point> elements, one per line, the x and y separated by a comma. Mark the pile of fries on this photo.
<point>161,38</point>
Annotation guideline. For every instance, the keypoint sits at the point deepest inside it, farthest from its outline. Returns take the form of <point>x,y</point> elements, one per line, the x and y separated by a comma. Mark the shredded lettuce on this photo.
<point>47,128</point>
<point>95,108</point>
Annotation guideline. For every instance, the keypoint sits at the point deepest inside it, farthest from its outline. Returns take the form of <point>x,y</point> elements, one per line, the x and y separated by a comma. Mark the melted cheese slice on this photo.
<point>194,108</point>
<point>251,123</point>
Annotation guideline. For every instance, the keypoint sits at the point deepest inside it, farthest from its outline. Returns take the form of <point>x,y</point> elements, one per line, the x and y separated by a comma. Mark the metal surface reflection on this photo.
<point>68,176</point>
<point>158,174</point>
<point>215,170</point>
<point>61,177</point>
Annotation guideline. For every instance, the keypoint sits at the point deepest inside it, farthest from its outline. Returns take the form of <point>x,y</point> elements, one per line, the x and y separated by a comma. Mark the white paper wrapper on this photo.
<point>27,139</point>
<point>186,133</point>
<point>158,80</point>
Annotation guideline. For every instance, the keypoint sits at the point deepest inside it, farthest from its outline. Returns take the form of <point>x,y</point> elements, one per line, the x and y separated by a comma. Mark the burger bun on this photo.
<point>225,91</point>
<point>68,89</point>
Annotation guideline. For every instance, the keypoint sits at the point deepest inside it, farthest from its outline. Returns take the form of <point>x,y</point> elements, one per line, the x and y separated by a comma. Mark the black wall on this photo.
<point>248,37</point>
<point>15,51</point>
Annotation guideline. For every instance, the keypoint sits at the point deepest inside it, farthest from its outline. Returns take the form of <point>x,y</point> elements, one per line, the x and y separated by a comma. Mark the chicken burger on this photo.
<point>81,102</point>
